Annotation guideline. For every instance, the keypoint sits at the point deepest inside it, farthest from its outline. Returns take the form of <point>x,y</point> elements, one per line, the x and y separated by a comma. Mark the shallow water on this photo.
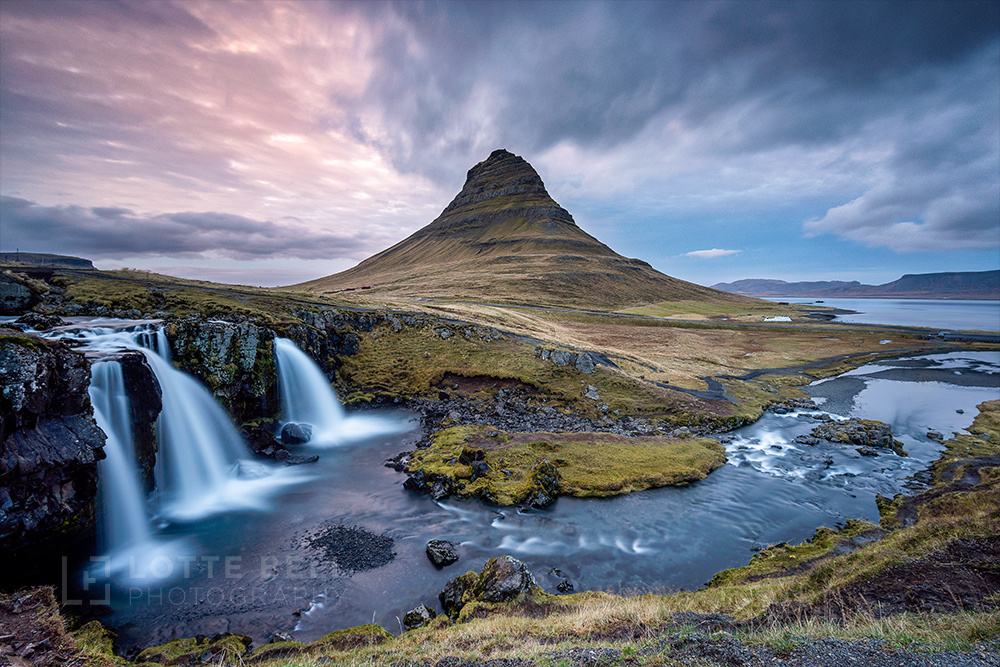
<point>253,572</point>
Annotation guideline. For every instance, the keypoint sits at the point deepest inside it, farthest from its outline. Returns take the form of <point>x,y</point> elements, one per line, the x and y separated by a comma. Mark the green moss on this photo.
<point>29,342</point>
<point>182,651</point>
<point>277,650</point>
<point>588,464</point>
<point>95,638</point>
<point>782,557</point>
<point>351,638</point>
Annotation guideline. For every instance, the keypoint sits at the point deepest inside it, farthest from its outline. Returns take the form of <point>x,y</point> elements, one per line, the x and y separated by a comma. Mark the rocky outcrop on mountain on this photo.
<point>235,360</point>
<point>49,444</point>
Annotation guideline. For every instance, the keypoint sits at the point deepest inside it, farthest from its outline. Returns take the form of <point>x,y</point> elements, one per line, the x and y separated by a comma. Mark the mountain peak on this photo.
<point>504,239</point>
<point>503,182</point>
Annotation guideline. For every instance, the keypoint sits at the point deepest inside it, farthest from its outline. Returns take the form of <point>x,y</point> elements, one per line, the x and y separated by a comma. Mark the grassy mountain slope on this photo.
<point>504,239</point>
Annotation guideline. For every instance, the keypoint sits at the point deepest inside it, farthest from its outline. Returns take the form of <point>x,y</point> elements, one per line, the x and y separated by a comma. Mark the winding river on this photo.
<point>254,569</point>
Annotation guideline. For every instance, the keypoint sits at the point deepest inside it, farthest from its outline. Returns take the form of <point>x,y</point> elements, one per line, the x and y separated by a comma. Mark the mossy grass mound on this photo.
<point>222,648</point>
<point>504,468</point>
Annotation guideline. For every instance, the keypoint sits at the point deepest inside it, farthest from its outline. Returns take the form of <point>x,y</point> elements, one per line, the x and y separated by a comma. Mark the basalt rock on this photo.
<point>49,446</point>
<point>145,404</point>
<point>295,434</point>
<point>442,553</point>
<point>503,579</point>
<point>235,359</point>
<point>860,432</point>
<point>417,617</point>
<point>15,296</point>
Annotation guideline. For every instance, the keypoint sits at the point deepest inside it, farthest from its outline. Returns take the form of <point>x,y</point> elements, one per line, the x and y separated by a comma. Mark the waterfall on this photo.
<point>306,394</point>
<point>129,546</point>
<point>308,398</point>
<point>124,521</point>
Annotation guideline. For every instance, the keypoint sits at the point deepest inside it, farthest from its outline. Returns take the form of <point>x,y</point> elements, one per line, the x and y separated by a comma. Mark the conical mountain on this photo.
<point>504,239</point>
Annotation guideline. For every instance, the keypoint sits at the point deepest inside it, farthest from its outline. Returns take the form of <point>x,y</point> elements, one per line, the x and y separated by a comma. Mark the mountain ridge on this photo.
<point>503,238</point>
<point>979,285</point>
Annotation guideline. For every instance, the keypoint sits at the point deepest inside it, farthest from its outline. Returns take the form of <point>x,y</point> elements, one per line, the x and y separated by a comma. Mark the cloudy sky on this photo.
<point>268,142</point>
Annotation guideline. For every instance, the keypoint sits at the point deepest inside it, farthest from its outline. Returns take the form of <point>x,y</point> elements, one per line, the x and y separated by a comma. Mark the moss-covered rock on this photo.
<point>234,359</point>
<point>503,580</point>
<point>533,468</point>
<point>860,432</point>
<point>349,639</point>
<point>222,647</point>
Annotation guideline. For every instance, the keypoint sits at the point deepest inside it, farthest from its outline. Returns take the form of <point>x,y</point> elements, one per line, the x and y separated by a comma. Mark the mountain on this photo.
<point>504,239</point>
<point>953,285</point>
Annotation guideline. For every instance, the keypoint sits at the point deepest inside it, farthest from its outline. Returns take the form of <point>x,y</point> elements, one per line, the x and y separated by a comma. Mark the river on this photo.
<point>254,570</point>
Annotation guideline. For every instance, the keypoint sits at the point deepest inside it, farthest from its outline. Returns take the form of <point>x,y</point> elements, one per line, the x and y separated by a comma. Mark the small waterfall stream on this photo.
<point>306,394</point>
<point>308,398</point>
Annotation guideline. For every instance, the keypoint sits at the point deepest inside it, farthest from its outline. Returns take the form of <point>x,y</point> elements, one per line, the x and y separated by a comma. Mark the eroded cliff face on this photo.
<point>145,404</point>
<point>49,444</point>
<point>235,360</point>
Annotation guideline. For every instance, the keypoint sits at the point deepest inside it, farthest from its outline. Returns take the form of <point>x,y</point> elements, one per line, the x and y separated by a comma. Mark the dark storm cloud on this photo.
<point>108,233</point>
<point>918,81</point>
<point>597,73</point>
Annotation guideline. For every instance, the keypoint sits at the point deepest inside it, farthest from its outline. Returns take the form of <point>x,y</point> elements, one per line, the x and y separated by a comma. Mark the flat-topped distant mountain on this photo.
<point>504,239</point>
<point>38,259</point>
<point>953,285</point>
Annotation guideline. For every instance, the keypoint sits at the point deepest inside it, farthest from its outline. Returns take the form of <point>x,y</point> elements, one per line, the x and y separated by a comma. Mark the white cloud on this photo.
<point>711,254</point>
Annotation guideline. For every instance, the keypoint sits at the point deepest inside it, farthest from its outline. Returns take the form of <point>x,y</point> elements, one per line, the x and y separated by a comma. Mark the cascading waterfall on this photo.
<point>203,466</point>
<point>127,537</point>
<point>124,521</point>
<point>306,394</point>
<point>308,398</point>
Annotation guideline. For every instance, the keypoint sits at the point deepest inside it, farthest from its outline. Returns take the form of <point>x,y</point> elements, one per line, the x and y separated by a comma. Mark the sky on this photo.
<point>270,142</point>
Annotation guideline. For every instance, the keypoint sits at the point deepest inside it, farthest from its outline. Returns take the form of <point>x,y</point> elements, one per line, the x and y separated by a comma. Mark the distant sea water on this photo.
<point>937,313</point>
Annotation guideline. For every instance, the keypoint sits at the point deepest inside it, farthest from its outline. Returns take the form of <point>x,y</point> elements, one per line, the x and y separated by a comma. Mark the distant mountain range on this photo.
<point>504,239</point>
<point>955,285</point>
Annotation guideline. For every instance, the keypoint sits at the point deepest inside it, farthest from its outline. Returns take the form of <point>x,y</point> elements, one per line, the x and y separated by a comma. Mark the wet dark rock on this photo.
<point>293,460</point>
<point>442,553</point>
<point>934,435</point>
<point>862,432</point>
<point>145,404</point>
<point>417,617</point>
<point>280,637</point>
<point>49,446</point>
<point>259,436</point>
<point>806,440</point>
<point>40,322</point>
<point>296,434</point>
<point>235,360</point>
